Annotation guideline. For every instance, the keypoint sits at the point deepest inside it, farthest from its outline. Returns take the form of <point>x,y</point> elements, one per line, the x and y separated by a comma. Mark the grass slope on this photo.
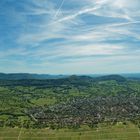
<point>117,132</point>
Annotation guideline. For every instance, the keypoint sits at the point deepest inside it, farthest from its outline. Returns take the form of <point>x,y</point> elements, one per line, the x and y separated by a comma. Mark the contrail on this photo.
<point>125,23</point>
<point>57,12</point>
<point>87,10</point>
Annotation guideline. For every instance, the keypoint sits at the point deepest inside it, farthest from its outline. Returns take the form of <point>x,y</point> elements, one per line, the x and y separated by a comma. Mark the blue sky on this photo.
<point>70,36</point>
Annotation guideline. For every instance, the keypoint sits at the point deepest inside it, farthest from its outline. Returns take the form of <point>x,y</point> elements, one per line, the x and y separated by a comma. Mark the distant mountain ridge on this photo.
<point>135,76</point>
<point>24,76</point>
<point>73,80</point>
<point>117,78</point>
<point>19,76</point>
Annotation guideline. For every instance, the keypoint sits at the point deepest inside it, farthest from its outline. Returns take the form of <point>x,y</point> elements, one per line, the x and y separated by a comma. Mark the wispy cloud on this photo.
<point>70,32</point>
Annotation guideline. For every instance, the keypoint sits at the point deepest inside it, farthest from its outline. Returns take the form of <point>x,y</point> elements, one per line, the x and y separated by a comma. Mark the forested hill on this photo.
<point>73,80</point>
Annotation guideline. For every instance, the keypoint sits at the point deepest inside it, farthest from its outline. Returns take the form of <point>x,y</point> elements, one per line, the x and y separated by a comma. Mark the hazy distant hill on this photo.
<point>117,78</point>
<point>19,76</point>
<point>132,76</point>
<point>126,75</point>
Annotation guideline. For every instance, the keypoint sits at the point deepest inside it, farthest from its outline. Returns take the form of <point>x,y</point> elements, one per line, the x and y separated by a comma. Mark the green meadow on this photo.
<point>115,132</point>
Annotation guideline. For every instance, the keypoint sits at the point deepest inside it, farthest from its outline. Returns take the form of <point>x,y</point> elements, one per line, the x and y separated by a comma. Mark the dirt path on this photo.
<point>19,134</point>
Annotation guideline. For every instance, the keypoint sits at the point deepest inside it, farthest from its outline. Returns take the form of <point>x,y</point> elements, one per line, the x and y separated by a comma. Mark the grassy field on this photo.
<point>118,132</point>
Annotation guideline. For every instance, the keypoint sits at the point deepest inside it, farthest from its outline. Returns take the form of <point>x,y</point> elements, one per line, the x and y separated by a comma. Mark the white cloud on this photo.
<point>63,26</point>
<point>61,23</point>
